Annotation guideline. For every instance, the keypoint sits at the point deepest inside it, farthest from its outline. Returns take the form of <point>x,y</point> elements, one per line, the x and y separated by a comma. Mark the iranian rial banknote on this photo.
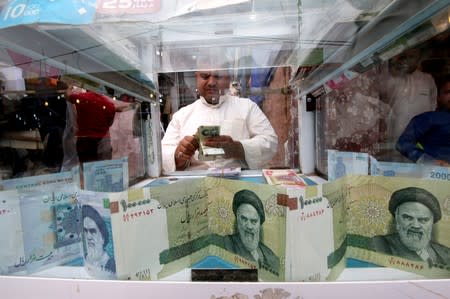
<point>312,246</point>
<point>139,230</point>
<point>207,153</point>
<point>49,220</point>
<point>395,222</point>
<point>106,176</point>
<point>190,220</point>
<point>247,222</point>
<point>286,177</point>
<point>11,235</point>
<point>97,237</point>
<point>346,163</point>
<point>412,170</point>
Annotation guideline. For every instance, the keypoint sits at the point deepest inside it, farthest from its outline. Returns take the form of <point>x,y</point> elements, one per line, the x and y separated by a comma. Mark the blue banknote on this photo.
<point>106,176</point>
<point>411,170</point>
<point>346,163</point>
<point>48,219</point>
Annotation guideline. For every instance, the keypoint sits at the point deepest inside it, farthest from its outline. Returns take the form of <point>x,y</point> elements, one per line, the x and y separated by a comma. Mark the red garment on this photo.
<point>95,114</point>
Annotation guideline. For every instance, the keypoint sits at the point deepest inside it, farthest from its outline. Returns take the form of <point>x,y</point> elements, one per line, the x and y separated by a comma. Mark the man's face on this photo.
<point>444,96</point>
<point>248,225</point>
<point>212,84</point>
<point>93,238</point>
<point>405,63</point>
<point>414,223</point>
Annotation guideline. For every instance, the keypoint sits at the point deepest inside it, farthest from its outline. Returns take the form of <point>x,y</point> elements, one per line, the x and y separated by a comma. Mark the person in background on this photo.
<point>415,211</point>
<point>249,141</point>
<point>426,139</point>
<point>94,115</point>
<point>408,92</point>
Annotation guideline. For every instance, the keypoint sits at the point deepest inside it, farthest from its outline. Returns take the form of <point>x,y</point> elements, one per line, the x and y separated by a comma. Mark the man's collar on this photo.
<point>222,99</point>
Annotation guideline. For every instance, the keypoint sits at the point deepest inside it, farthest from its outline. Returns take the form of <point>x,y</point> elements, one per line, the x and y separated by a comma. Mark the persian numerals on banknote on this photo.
<point>346,163</point>
<point>251,233</point>
<point>400,222</point>
<point>12,255</point>
<point>106,176</point>
<point>186,206</point>
<point>97,237</point>
<point>140,233</point>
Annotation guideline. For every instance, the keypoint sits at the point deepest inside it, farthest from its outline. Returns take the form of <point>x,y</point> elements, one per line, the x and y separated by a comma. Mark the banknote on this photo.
<point>106,176</point>
<point>188,237</point>
<point>412,170</point>
<point>224,171</point>
<point>207,153</point>
<point>247,222</point>
<point>49,220</point>
<point>42,181</point>
<point>346,163</point>
<point>286,177</point>
<point>397,222</point>
<point>11,237</point>
<point>310,237</point>
<point>97,236</point>
<point>139,232</point>
<point>190,220</point>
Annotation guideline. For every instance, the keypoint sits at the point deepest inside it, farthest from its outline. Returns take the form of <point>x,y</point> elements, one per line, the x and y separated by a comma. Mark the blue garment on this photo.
<point>430,129</point>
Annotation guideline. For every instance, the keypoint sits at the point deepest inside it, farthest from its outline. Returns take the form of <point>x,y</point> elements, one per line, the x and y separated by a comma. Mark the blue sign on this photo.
<point>19,12</point>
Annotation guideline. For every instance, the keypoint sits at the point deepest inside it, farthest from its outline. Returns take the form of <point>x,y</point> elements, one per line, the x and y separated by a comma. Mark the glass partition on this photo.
<point>380,85</point>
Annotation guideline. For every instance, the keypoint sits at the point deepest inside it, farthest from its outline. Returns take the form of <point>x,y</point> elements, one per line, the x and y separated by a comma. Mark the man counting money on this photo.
<point>248,139</point>
<point>415,211</point>
<point>246,242</point>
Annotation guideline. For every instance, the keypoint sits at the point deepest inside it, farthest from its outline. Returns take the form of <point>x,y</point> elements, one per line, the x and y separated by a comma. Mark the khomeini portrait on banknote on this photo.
<point>415,210</point>
<point>246,241</point>
<point>95,240</point>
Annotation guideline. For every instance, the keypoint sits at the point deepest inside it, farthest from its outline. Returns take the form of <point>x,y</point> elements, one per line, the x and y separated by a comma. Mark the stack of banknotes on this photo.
<point>353,163</point>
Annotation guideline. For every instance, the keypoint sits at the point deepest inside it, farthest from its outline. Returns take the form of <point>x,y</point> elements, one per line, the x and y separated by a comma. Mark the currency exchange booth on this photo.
<point>350,191</point>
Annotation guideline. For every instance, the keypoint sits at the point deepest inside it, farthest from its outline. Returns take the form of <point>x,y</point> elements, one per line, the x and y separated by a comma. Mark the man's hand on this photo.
<point>184,151</point>
<point>233,149</point>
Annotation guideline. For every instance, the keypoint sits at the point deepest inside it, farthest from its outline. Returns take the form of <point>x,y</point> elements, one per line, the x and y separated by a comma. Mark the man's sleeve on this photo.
<point>262,144</point>
<point>169,144</point>
<point>407,143</point>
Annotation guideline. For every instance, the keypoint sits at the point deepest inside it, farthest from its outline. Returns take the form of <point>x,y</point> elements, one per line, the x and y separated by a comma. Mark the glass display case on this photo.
<point>94,97</point>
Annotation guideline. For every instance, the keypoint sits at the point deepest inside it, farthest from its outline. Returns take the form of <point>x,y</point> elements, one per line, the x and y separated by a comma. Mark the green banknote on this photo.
<point>207,153</point>
<point>202,221</point>
<point>248,225</point>
<point>186,206</point>
<point>395,222</point>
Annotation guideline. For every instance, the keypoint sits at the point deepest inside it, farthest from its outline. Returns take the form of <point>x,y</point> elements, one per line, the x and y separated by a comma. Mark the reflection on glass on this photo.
<point>381,100</point>
<point>51,125</point>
